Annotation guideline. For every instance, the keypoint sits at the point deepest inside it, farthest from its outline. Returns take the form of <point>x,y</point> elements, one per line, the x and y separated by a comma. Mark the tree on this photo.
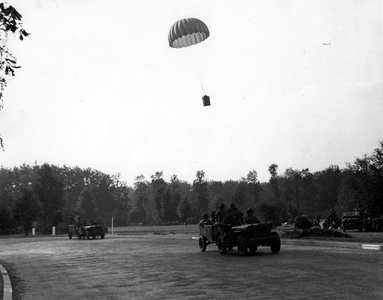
<point>274,181</point>
<point>269,213</point>
<point>6,222</point>
<point>185,210</point>
<point>166,201</point>
<point>201,192</point>
<point>328,184</point>
<point>158,185</point>
<point>254,185</point>
<point>27,210</point>
<point>362,184</point>
<point>49,192</point>
<point>10,22</point>
<point>121,194</point>
<point>138,213</point>
<point>85,204</point>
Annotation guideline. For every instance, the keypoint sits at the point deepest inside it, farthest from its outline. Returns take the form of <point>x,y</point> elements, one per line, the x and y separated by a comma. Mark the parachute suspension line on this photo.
<point>203,92</point>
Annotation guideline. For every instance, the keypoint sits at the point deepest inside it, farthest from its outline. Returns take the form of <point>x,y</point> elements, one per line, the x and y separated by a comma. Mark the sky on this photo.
<point>293,83</point>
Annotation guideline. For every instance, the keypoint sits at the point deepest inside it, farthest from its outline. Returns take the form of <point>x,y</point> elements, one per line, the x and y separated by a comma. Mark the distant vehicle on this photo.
<point>244,237</point>
<point>351,220</point>
<point>86,231</point>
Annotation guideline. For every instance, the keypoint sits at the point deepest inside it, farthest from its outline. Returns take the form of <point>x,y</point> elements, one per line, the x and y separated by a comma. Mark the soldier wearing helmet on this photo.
<point>249,217</point>
<point>235,214</point>
<point>205,220</point>
<point>221,214</point>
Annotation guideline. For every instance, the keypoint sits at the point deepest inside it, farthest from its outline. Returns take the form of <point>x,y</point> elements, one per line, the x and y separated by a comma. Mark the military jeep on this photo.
<point>244,237</point>
<point>86,232</point>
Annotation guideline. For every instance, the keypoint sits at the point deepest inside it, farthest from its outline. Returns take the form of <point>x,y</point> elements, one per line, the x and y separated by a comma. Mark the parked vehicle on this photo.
<point>351,220</point>
<point>373,224</point>
<point>244,237</point>
<point>334,224</point>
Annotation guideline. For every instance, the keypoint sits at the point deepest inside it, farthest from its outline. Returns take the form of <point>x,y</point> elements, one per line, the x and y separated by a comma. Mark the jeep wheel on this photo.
<point>87,235</point>
<point>242,245</point>
<point>221,245</point>
<point>102,235</point>
<point>78,235</point>
<point>202,243</point>
<point>276,243</point>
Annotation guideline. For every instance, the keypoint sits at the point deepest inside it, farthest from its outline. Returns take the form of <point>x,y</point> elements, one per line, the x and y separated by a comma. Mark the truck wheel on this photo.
<point>275,246</point>
<point>202,243</point>
<point>242,245</point>
<point>221,245</point>
<point>70,234</point>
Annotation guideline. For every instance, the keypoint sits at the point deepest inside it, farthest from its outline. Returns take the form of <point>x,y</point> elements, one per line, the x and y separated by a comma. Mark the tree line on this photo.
<point>46,195</point>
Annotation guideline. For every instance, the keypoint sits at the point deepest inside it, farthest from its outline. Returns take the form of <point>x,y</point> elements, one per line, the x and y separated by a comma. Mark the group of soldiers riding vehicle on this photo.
<point>230,228</point>
<point>84,229</point>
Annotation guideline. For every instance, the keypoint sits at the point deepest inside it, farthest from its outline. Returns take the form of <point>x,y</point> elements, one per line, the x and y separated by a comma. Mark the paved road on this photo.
<point>171,267</point>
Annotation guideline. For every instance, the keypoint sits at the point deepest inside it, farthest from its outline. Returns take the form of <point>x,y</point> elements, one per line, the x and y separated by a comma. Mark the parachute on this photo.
<point>187,32</point>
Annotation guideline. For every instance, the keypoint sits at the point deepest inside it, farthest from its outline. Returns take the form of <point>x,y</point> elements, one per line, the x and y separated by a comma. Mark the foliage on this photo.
<point>64,192</point>
<point>185,209</point>
<point>6,222</point>
<point>138,214</point>
<point>85,204</point>
<point>268,213</point>
<point>27,210</point>
<point>158,186</point>
<point>10,22</point>
<point>200,192</point>
<point>49,192</point>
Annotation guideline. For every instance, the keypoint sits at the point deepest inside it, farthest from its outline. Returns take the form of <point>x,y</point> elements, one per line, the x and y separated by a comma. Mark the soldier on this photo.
<point>250,218</point>
<point>78,223</point>
<point>221,214</point>
<point>205,220</point>
<point>331,218</point>
<point>236,214</point>
<point>212,217</point>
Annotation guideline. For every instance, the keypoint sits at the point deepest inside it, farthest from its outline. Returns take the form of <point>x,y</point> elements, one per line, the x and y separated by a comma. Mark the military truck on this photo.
<point>246,237</point>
